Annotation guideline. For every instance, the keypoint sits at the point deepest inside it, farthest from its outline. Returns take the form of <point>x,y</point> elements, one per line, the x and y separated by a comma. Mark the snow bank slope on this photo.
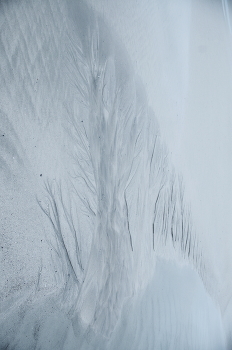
<point>98,177</point>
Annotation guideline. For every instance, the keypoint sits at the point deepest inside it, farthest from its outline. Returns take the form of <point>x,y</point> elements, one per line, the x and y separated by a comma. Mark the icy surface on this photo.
<point>100,248</point>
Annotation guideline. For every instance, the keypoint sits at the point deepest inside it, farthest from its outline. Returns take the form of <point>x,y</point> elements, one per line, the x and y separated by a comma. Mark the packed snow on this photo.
<point>115,172</point>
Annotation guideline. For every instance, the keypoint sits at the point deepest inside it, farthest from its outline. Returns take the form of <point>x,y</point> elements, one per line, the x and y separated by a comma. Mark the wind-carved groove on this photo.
<point>128,222</point>
<point>57,212</point>
<point>176,222</point>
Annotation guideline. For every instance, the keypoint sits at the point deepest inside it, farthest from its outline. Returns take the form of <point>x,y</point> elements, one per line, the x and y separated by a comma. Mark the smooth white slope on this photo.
<point>182,50</point>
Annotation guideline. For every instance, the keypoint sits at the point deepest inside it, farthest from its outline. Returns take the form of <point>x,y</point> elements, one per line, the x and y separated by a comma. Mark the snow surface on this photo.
<point>100,248</point>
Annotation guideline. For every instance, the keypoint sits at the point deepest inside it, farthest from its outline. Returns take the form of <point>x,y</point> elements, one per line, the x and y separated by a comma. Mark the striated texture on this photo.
<point>96,201</point>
